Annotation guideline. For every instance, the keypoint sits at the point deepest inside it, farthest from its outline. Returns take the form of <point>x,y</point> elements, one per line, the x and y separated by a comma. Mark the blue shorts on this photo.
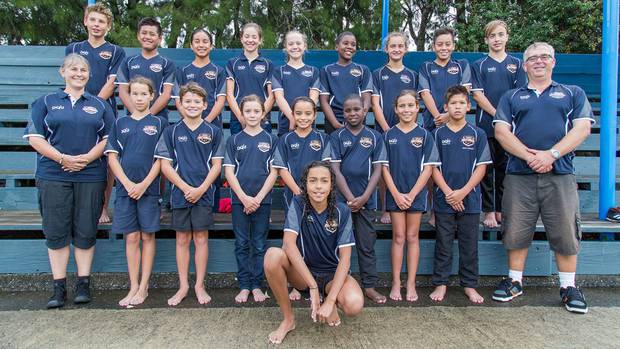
<point>420,203</point>
<point>131,216</point>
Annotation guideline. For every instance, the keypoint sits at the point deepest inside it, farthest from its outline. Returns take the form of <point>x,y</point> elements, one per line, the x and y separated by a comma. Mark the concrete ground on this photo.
<point>533,321</point>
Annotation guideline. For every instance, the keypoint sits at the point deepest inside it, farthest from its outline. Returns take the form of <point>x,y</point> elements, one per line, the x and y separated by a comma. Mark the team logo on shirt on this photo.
<point>310,219</point>
<point>58,107</point>
<point>524,97</point>
<point>434,71</point>
<point>355,72</point>
<point>286,72</point>
<point>264,146</point>
<point>335,73</point>
<point>84,53</point>
<point>366,142</point>
<point>453,70</point>
<point>242,147</point>
<point>393,141</point>
<point>294,146</point>
<point>446,141</point>
<point>90,110</point>
<point>331,225</point>
<point>135,66</point>
<point>241,67</point>
<point>385,77</point>
<point>315,145</point>
<point>210,74</point>
<point>468,141</point>
<point>105,54</point>
<point>182,138</point>
<point>557,95</point>
<point>307,73</point>
<point>260,68</point>
<point>125,130</point>
<point>156,67</point>
<point>511,68</point>
<point>150,130</point>
<point>204,138</point>
<point>417,141</point>
<point>405,79</point>
<point>347,143</point>
<point>491,69</point>
<point>189,76</point>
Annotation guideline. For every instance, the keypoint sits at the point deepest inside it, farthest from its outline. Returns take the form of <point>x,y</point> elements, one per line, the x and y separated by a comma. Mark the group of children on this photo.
<point>434,167</point>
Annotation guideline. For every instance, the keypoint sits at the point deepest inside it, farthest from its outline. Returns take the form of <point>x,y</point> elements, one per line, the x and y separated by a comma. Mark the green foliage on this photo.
<point>570,25</point>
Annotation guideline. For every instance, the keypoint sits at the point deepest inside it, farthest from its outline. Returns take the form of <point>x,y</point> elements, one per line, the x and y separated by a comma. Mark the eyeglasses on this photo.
<point>544,58</point>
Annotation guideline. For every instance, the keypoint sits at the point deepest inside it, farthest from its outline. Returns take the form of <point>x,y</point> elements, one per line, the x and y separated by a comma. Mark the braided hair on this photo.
<point>331,198</point>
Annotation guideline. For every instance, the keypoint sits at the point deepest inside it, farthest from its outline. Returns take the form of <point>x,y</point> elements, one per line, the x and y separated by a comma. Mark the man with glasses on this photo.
<point>539,125</point>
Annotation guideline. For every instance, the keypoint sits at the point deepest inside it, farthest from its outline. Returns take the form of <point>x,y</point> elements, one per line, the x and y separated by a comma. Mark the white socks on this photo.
<point>516,275</point>
<point>567,279</point>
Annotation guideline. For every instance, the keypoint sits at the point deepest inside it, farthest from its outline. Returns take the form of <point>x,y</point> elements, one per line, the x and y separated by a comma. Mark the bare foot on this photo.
<point>473,295</point>
<point>258,295</point>
<point>439,293</point>
<point>374,296</point>
<point>412,294</point>
<point>334,319</point>
<point>385,218</point>
<point>395,293</point>
<point>178,297</point>
<point>431,220</point>
<point>139,297</point>
<point>294,295</point>
<point>242,297</point>
<point>125,301</point>
<point>277,336</point>
<point>498,217</point>
<point>105,216</point>
<point>489,220</point>
<point>202,295</point>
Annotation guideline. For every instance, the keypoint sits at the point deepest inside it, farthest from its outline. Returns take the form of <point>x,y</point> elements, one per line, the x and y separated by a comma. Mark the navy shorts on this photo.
<point>322,279</point>
<point>132,216</point>
<point>70,212</point>
<point>191,219</point>
<point>420,203</point>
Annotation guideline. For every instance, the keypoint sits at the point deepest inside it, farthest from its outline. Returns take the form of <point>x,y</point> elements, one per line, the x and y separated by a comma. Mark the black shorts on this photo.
<point>70,212</point>
<point>322,279</point>
<point>191,219</point>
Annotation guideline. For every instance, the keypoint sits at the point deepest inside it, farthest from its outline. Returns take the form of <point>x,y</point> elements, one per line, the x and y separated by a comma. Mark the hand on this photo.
<point>403,201</point>
<point>254,204</point>
<point>72,163</point>
<point>541,161</point>
<point>315,303</point>
<point>192,194</point>
<point>338,125</point>
<point>356,204</point>
<point>458,207</point>
<point>296,191</point>
<point>129,187</point>
<point>137,190</point>
<point>456,196</point>
<point>325,311</point>
<point>441,119</point>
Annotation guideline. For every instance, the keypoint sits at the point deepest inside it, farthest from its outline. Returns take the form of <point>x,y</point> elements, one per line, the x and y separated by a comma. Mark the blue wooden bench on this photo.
<point>29,72</point>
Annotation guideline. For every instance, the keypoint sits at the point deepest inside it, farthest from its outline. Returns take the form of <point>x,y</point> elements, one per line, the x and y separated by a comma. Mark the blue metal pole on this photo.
<point>385,20</point>
<point>609,105</point>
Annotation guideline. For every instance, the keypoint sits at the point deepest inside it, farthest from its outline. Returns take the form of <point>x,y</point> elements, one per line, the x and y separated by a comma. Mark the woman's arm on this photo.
<point>379,117</point>
<point>289,181</point>
<point>285,108</point>
<point>218,106</point>
<point>232,102</point>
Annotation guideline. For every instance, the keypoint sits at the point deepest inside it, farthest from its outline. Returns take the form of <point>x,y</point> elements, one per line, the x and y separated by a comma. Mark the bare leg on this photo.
<point>385,216</point>
<point>183,240</point>
<point>84,260</point>
<point>350,299</point>
<point>132,251</point>
<point>398,246</point>
<point>566,264</point>
<point>148,256</point>
<point>105,215</point>
<point>516,259</point>
<point>413,254</point>
<point>201,257</point>
<point>59,259</point>
<point>498,217</point>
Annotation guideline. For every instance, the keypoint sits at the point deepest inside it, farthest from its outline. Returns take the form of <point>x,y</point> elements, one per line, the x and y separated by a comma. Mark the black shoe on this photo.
<point>57,300</point>
<point>82,290</point>
<point>573,300</point>
<point>613,215</point>
<point>507,290</point>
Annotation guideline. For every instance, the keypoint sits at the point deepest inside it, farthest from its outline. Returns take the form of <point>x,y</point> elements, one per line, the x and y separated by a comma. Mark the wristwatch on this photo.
<point>555,153</point>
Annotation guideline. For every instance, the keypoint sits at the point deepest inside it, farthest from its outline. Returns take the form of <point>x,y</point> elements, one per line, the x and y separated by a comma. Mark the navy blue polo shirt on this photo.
<point>158,69</point>
<point>251,157</point>
<point>318,237</point>
<point>437,79</point>
<point>249,78</point>
<point>135,141</point>
<point>387,86</point>
<point>339,81</point>
<point>294,83</point>
<point>191,153</point>
<point>541,121</point>
<point>460,152</point>
<point>494,79</point>
<point>211,77</point>
<point>407,154</point>
<point>356,155</point>
<point>104,62</point>
<point>72,130</point>
<point>294,153</point>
